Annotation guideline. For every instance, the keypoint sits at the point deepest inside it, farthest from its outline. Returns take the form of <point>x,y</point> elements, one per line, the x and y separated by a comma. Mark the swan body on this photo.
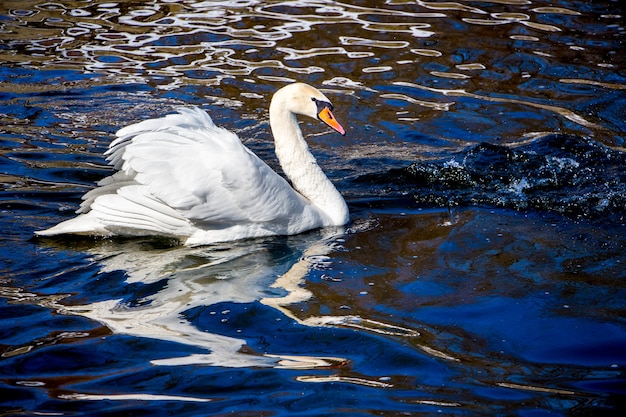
<point>181,176</point>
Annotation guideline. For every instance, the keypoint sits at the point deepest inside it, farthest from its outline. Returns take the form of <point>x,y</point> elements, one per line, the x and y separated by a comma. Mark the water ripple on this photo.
<point>448,105</point>
<point>462,93</point>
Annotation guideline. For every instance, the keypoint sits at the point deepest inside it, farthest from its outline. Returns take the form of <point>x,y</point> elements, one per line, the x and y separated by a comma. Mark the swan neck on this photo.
<point>300,166</point>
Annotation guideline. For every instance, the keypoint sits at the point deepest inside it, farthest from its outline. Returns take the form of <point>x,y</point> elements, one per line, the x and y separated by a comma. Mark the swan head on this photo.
<point>300,98</point>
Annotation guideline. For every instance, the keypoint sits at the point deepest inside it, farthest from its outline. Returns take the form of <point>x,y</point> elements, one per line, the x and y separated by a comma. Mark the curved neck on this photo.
<point>301,168</point>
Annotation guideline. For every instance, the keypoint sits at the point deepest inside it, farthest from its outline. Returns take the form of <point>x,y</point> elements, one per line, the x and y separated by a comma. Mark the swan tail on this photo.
<point>84,224</point>
<point>129,212</point>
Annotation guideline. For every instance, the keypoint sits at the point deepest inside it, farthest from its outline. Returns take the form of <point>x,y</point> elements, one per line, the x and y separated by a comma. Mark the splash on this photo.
<point>569,175</point>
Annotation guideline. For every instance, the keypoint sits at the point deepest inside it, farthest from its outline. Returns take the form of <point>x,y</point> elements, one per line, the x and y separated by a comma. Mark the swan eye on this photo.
<point>321,105</point>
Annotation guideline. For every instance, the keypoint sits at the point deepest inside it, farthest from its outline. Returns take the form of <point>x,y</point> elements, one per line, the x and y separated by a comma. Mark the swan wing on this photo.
<point>183,166</point>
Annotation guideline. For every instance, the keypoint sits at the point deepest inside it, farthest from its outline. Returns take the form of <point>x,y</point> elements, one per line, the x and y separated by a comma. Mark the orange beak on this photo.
<point>326,116</point>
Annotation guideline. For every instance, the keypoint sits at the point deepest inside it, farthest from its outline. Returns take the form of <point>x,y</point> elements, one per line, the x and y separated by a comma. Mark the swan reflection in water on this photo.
<point>269,271</point>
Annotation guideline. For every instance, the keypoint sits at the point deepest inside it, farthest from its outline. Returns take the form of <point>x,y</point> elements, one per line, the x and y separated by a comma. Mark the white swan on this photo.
<point>181,176</point>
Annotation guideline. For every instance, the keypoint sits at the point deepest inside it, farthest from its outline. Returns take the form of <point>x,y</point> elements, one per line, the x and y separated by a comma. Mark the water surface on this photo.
<point>482,272</point>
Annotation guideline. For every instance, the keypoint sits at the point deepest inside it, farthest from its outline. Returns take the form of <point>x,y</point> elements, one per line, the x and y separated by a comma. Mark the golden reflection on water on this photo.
<point>568,114</point>
<point>231,37</point>
<point>242,46</point>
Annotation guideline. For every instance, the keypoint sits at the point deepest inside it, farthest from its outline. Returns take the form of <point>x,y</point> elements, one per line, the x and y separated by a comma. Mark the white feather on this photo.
<point>181,176</point>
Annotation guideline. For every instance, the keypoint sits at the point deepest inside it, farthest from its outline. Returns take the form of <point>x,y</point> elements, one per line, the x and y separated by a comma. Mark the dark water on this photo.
<point>483,272</point>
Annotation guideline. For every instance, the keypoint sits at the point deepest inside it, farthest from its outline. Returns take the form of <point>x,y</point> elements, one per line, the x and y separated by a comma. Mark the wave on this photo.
<point>571,175</point>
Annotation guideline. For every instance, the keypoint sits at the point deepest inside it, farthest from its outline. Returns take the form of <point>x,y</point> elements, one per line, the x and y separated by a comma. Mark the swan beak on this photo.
<point>326,116</point>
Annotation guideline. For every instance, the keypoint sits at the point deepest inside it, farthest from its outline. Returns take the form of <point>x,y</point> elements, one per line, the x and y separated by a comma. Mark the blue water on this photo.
<point>483,271</point>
